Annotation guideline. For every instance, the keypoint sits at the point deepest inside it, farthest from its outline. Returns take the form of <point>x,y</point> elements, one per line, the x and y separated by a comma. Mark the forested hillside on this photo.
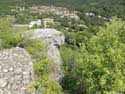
<point>102,7</point>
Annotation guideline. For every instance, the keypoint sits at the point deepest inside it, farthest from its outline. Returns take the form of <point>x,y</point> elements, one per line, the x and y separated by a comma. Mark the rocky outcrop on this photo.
<point>50,36</point>
<point>54,39</point>
<point>16,71</point>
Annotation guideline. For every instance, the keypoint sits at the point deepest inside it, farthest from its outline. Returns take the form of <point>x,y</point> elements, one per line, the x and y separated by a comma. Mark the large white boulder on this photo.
<point>50,36</point>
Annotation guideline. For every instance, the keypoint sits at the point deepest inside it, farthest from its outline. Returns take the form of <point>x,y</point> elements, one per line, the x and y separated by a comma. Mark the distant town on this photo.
<point>47,20</point>
<point>62,11</point>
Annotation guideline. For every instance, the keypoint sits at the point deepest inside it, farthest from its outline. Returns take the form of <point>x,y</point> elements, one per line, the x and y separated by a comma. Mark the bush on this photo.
<point>102,60</point>
<point>43,84</point>
<point>35,47</point>
<point>47,87</point>
<point>41,68</point>
<point>8,37</point>
<point>99,66</point>
<point>6,24</point>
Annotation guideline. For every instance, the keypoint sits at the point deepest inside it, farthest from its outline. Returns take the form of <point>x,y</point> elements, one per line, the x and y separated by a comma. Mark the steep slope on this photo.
<point>54,40</point>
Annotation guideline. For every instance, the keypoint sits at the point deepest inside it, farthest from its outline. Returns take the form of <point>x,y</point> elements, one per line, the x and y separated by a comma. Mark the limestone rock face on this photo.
<point>51,36</point>
<point>54,39</point>
<point>16,71</point>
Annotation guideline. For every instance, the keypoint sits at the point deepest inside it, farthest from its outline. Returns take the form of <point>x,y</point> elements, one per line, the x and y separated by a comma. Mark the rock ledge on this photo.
<point>16,71</point>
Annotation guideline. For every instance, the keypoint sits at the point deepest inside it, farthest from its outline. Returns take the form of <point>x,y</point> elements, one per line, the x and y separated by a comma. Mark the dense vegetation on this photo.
<point>93,56</point>
<point>97,66</point>
<point>101,7</point>
<point>8,38</point>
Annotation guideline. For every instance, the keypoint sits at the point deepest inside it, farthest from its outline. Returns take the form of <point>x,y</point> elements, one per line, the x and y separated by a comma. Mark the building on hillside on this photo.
<point>35,23</point>
<point>73,15</point>
<point>47,21</point>
<point>90,14</point>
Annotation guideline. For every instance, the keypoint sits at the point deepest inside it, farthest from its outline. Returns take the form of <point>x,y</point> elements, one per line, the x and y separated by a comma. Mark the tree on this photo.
<point>103,60</point>
<point>99,66</point>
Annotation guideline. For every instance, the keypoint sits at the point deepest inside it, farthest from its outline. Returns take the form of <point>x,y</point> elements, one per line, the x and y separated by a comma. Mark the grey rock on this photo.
<point>12,70</point>
<point>3,83</point>
<point>18,70</point>
<point>5,70</point>
<point>1,91</point>
<point>51,36</point>
<point>54,39</point>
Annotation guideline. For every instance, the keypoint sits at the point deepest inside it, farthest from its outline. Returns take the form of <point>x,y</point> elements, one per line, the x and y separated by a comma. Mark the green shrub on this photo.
<point>99,66</point>
<point>102,60</point>
<point>47,87</point>
<point>43,84</point>
<point>10,39</point>
<point>6,24</point>
<point>35,47</point>
<point>41,68</point>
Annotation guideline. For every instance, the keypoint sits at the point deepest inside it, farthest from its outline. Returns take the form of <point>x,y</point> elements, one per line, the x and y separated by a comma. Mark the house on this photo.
<point>99,16</point>
<point>35,23</point>
<point>47,21</point>
<point>90,14</point>
<point>73,15</point>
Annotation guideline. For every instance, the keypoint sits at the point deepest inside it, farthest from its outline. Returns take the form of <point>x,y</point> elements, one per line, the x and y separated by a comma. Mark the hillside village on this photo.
<point>61,11</point>
<point>54,16</point>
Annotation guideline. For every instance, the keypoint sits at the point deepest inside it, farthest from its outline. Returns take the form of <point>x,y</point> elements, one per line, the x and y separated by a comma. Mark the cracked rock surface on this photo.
<point>16,71</point>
